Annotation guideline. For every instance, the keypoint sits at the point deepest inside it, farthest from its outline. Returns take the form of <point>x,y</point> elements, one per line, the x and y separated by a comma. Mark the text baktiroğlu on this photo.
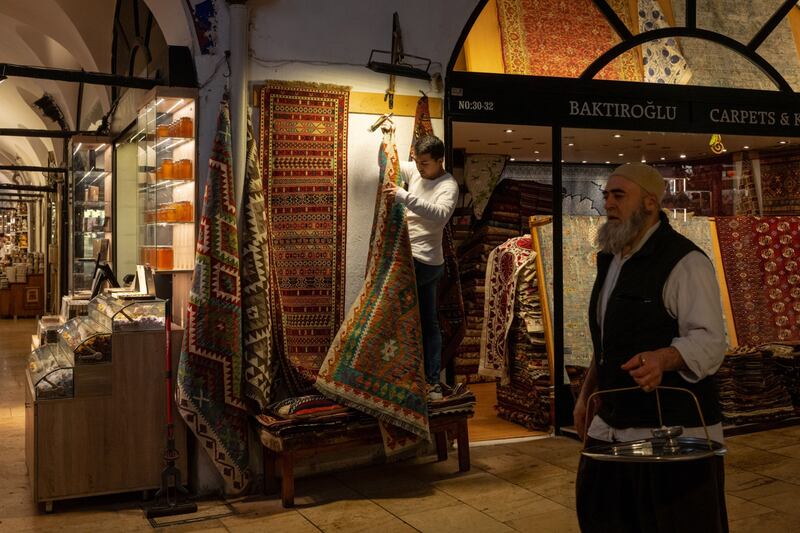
<point>647,110</point>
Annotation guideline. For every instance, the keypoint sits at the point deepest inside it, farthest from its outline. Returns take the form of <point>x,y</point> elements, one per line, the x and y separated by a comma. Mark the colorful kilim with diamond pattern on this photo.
<point>303,146</point>
<point>210,391</point>
<point>260,363</point>
<point>375,362</point>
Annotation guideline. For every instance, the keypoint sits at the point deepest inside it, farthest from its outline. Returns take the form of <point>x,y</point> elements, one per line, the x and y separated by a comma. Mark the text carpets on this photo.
<point>304,150</point>
<point>210,393</point>
<point>375,362</point>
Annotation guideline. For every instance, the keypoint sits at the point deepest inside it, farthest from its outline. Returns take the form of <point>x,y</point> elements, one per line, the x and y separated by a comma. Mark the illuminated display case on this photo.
<point>90,218</point>
<point>51,373</point>
<point>166,168</point>
<point>116,314</point>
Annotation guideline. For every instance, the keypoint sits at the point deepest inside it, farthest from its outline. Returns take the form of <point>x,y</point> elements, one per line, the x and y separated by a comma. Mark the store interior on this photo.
<point>708,176</point>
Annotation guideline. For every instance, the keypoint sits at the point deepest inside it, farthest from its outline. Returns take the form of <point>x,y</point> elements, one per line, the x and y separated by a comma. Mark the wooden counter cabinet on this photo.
<point>104,439</point>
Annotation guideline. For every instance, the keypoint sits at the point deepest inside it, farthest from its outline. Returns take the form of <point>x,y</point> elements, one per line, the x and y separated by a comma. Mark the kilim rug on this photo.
<point>260,367</point>
<point>452,320</point>
<point>304,151</point>
<point>503,269</point>
<point>375,363</point>
<point>561,38</point>
<point>210,391</point>
<point>760,260</point>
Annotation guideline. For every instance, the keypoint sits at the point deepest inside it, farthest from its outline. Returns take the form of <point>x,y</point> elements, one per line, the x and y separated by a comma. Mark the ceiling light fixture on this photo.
<point>617,135</point>
<point>644,160</point>
<point>745,147</point>
<point>571,144</point>
<point>663,158</point>
<point>782,142</point>
<point>608,162</point>
<point>536,151</point>
<point>583,162</point>
<point>683,156</point>
<point>538,160</point>
<point>511,159</point>
<point>620,155</point>
<point>509,130</point>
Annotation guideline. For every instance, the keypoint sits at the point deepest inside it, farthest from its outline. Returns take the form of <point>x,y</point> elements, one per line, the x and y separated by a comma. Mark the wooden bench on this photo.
<point>282,453</point>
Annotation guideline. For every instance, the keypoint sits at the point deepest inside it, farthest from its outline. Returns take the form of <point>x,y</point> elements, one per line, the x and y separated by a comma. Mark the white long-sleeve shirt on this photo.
<point>430,205</point>
<point>691,294</point>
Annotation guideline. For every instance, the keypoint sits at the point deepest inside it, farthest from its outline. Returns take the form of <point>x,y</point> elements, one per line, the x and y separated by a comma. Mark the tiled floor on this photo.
<point>512,487</point>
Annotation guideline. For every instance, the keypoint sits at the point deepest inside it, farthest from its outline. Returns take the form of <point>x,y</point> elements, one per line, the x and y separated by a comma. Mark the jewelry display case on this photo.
<point>166,155</point>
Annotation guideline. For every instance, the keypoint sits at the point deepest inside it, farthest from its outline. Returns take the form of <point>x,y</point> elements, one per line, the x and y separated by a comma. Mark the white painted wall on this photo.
<point>328,42</point>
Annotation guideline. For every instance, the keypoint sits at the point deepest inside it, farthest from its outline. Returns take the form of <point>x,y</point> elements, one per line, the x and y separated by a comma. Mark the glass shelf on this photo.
<point>166,173</point>
<point>90,216</point>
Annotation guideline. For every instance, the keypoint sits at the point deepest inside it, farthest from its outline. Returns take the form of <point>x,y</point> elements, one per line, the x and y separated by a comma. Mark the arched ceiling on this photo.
<point>68,34</point>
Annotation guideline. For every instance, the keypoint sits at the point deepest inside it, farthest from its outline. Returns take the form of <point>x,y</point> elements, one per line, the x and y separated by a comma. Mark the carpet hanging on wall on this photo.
<point>210,393</point>
<point>452,319</point>
<point>546,38</point>
<point>304,151</point>
<point>762,270</point>
<point>375,363</point>
<point>260,363</point>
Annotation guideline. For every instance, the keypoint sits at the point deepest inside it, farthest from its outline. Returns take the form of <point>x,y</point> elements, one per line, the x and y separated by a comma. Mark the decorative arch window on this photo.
<point>719,43</point>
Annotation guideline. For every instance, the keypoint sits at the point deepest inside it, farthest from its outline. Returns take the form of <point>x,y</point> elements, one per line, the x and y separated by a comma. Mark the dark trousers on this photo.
<point>678,496</point>
<point>427,284</point>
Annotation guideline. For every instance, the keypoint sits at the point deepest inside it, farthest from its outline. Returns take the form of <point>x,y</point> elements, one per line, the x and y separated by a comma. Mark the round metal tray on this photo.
<point>656,450</point>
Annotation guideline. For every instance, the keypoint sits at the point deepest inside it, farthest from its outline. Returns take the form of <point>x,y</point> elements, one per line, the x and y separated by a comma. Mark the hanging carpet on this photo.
<point>260,363</point>
<point>503,269</point>
<point>210,393</point>
<point>304,151</point>
<point>761,265</point>
<point>452,320</point>
<point>546,38</point>
<point>375,363</point>
<point>662,58</point>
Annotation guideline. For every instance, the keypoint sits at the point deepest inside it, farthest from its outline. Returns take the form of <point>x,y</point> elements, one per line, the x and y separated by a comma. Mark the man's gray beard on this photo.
<point>612,238</point>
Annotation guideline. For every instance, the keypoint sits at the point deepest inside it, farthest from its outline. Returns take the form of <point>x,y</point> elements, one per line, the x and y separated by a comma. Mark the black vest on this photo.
<point>636,321</point>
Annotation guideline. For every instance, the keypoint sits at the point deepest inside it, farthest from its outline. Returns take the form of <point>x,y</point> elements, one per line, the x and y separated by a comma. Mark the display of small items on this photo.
<point>53,379</point>
<point>182,127</point>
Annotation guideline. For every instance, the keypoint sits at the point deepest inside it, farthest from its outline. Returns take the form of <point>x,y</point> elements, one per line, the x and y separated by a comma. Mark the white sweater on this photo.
<point>430,205</point>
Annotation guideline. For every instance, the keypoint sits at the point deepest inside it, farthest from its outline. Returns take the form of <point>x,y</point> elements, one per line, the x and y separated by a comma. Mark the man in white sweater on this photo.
<point>431,198</point>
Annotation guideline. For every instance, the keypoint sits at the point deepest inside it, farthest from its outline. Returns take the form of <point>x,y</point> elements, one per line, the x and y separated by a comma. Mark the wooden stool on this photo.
<point>281,453</point>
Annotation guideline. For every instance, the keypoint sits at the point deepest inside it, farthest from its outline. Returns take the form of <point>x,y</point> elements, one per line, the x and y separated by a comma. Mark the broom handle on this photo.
<point>168,362</point>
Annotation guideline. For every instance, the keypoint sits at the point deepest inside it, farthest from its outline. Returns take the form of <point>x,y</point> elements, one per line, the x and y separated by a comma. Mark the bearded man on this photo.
<point>656,319</point>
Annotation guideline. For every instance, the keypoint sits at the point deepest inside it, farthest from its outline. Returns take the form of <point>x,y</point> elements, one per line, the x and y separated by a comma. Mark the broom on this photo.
<point>171,498</point>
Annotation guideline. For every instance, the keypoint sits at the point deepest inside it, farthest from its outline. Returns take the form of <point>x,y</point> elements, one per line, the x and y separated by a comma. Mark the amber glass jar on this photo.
<point>167,169</point>
<point>186,127</point>
<point>162,130</point>
<point>184,171</point>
